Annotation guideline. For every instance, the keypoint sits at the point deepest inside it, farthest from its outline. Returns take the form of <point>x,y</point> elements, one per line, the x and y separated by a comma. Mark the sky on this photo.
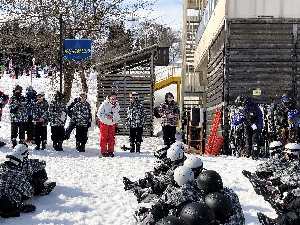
<point>166,12</point>
<point>89,189</point>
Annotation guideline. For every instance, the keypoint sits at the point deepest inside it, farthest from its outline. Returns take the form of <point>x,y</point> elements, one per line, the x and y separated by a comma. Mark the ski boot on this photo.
<point>264,220</point>
<point>48,188</point>
<point>128,184</point>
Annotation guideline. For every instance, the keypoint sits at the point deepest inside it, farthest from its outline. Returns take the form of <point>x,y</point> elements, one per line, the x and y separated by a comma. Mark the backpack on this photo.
<point>156,112</point>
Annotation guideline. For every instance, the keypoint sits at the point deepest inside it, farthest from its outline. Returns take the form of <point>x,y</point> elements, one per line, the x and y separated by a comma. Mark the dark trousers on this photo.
<point>169,133</point>
<point>40,133</point>
<point>292,217</point>
<point>69,129</point>
<point>57,133</point>
<point>136,135</point>
<point>252,142</point>
<point>18,128</point>
<point>81,135</point>
<point>30,128</point>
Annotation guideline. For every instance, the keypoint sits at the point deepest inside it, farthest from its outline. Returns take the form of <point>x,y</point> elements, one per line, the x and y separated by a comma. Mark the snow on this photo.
<point>90,190</point>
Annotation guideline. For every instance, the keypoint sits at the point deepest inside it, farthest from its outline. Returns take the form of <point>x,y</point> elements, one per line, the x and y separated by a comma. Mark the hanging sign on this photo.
<point>77,49</point>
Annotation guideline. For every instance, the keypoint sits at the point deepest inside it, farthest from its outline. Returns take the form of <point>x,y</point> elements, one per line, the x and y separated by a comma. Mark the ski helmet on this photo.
<point>83,93</point>
<point>175,153</point>
<point>220,205</point>
<point>170,220</point>
<point>195,163</point>
<point>292,149</point>
<point>18,87</point>
<point>22,149</point>
<point>275,147</point>
<point>287,99</point>
<point>209,181</point>
<point>183,175</point>
<point>16,158</point>
<point>241,100</point>
<point>134,95</point>
<point>196,213</point>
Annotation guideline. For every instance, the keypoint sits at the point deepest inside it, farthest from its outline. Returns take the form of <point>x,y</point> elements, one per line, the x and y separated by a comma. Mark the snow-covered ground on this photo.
<point>90,190</point>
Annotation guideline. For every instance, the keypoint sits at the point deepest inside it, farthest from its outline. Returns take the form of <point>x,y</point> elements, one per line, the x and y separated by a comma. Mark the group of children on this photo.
<point>32,113</point>
<point>277,180</point>
<point>180,189</point>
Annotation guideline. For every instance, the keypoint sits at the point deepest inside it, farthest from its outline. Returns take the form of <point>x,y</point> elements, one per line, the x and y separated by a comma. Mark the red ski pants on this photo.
<point>107,137</point>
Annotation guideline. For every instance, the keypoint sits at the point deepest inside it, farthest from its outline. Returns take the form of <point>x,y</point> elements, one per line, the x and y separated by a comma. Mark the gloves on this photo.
<point>254,127</point>
<point>53,109</point>
<point>1,100</point>
<point>117,130</point>
<point>89,125</point>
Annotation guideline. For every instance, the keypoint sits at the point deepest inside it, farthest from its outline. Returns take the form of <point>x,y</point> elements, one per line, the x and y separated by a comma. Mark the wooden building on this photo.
<point>248,47</point>
<point>125,74</point>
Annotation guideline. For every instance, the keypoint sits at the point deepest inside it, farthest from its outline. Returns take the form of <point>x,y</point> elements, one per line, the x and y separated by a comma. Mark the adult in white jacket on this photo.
<point>108,114</point>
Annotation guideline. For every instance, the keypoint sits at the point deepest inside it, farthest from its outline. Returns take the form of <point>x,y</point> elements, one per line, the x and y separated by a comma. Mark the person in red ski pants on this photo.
<point>108,114</point>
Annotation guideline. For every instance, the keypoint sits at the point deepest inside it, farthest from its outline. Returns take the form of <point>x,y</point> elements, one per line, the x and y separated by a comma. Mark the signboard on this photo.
<point>77,49</point>
<point>256,92</point>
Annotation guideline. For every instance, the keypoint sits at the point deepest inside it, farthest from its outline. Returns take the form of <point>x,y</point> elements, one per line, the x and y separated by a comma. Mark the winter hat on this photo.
<point>40,95</point>
<point>15,158</point>
<point>29,88</point>
<point>134,95</point>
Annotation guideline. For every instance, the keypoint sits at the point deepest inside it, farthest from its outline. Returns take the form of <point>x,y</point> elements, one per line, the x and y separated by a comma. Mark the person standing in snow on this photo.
<point>3,101</point>
<point>82,118</point>
<point>18,115</point>
<point>57,111</point>
<point>30,95</point>
<point>169,112</point>
<point>136,118</point>
<point>40,113</point>
<point>251,115</point>
<point>108,114</point>
<point>71,125</point>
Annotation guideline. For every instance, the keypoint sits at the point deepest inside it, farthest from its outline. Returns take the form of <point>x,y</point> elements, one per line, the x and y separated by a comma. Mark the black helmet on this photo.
<point>287,99</point>
<point>197,213</point>
<point>220,205</point>
<point>209,181</point>
<point>241,100</point>
<point>18,87</point>
<point>170,220</point>
<point>58,95</point>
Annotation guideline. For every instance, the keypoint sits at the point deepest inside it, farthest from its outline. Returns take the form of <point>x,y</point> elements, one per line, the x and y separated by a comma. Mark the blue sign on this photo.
<point>77,49</point>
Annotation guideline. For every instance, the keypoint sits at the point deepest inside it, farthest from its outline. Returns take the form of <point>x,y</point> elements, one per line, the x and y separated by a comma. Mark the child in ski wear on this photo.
<point>108,114</point>
<point>136,119</point>
<point>156,184</point>
<point>35,171</point>
<point>40,119</point>
<point>58,112</point>
<point>174,197</point>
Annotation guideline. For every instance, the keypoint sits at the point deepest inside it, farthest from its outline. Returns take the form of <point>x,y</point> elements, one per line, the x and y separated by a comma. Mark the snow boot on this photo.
<point>48,188</point>
<point>59,146</point>
<point>2,143</point>
<point>78,146</point>
<point>13,213</point>
<point>44,145</point>
<point>111,154</point>
<point>26,207</point>
<point>132,147</point>
<point>14,142</point>
<point>138,147</point>
<point>55,146</point>
<point>128,184</point>
<point>21,141</point>
<point>264,220</point>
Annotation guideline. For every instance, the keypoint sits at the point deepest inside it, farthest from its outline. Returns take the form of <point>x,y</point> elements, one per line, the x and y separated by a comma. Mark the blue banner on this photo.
<point>77,49</point>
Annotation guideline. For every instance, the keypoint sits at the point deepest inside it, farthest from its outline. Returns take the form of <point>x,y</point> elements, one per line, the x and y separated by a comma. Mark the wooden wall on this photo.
<point>252,54</point>
<point>123,84</point>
